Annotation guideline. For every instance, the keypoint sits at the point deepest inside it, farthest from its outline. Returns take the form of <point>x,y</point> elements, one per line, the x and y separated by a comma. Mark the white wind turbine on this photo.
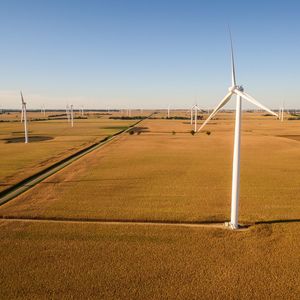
<point>238,91</point>
<point>72,115</point>
<point>68,113</point>
<point>43,110</point>
<point>24,118</point>
<point>168,111</point>
<point>192,113</point>
<point>281,113</point>
<point>22,114</point>
<point>194,110</point>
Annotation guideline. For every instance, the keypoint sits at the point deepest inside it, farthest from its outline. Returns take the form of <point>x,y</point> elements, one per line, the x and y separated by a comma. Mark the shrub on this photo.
<point>173,132</point>
<point>193,132</point>
<point>131,132</point>
<point>208,132</point>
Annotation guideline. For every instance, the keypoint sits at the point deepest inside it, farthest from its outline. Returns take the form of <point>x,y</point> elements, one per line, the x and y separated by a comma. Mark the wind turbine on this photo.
<point>68,113</point>
<point>194,109</point>
<point>169,111</point>
<point>72,116</point>
<point>24,114</point>
<point>43,110</point>
<point>281,113</point>
<point>238,91</point>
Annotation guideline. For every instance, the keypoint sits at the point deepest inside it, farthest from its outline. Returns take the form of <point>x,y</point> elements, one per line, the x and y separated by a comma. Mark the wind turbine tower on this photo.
<point>238,91</point>
<point>72,116</point>
<point>24,114</point>
<point>68,113</point>
<point>282,113</point>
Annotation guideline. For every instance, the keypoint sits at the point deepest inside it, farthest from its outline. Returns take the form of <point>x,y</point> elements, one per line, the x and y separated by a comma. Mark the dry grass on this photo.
<point>50,260</point>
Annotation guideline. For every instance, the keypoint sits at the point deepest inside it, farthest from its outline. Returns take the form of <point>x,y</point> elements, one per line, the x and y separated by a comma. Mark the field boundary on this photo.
<point>209,224</point>
<point>29,182</point>
<point>120,221</point>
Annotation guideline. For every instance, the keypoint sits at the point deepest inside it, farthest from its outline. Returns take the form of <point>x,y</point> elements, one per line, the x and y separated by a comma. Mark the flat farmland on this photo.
<point>49,142</point>
<point>161,176</point>
<point>48,260</point>
<point>71,236</point>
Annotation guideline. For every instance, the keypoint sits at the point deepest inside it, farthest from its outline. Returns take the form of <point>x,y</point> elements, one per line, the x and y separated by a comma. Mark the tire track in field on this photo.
<point>207,224</point>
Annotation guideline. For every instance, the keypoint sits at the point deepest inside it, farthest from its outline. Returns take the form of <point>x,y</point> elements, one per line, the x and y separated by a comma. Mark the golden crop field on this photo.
<point>96,261</point>
<point>158,175</point>
<point>49,142</point>
<point>72,234</point>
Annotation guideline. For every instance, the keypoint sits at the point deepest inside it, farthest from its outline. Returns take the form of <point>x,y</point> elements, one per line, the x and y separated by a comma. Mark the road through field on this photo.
<point>50,141</point>
<point>34,179</point>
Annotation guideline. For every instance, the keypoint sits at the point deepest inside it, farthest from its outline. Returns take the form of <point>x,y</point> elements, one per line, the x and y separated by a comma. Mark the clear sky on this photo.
<point>146,54</point>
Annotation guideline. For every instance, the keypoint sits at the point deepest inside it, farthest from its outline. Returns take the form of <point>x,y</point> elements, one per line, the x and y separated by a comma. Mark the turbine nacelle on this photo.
<point>235,87</point>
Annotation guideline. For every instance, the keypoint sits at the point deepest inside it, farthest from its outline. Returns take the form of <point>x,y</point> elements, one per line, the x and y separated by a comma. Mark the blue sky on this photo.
<point>147,53</point>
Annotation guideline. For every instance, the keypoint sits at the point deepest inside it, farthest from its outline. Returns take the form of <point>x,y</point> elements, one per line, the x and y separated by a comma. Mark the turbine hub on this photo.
<point>232,88</point>
<point>236,87</point>
<point>240,88</point>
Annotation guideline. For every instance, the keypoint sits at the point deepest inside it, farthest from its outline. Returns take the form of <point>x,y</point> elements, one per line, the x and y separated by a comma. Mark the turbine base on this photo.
<point>231,225</point>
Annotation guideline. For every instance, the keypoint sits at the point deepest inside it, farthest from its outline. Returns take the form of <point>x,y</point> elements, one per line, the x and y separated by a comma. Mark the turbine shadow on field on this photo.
<point>277,221</point>
<point>31,139</point>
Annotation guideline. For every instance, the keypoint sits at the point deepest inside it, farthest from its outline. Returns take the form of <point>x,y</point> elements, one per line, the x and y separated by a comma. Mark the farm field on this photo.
<point>162,173</point>
<point>49,142</point>
<point>157,175</point>
<point>96,261</point>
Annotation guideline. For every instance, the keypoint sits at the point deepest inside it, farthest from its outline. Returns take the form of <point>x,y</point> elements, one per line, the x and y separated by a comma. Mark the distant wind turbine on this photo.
<point>72,116</point>
<point>24,114</point>
<point>68,113</point>
<point>43,110</point>
<point>194,115</point>
<point>238,91</point>
<point>281,113</point>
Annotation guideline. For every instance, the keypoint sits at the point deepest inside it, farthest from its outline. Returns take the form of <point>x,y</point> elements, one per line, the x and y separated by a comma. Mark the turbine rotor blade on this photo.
<point>199,109</point>
<point>253,101</point>
<point>215,111</point>
<point>233,79</point>
<point>22,97</point>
